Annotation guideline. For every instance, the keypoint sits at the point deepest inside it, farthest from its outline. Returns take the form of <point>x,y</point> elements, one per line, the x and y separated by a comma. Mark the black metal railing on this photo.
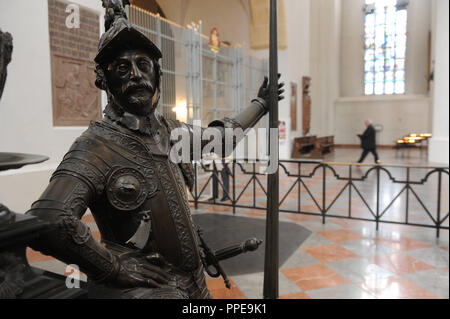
<point>320,185</point>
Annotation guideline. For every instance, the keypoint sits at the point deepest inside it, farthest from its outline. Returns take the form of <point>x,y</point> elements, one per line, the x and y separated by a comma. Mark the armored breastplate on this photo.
<point>144,187</point>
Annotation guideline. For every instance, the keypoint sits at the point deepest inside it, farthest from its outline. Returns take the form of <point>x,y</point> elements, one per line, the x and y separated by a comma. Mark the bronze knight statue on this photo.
<point>120,168</point>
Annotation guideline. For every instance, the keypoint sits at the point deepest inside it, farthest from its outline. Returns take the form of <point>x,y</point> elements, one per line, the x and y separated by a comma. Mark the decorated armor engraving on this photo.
<point>127,188</point>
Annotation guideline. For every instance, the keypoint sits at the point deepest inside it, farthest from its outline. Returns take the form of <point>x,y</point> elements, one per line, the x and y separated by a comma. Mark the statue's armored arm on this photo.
<point>244,120</point>
<point>68,239</point>
<point>253,113</point>
<point>248,118</point>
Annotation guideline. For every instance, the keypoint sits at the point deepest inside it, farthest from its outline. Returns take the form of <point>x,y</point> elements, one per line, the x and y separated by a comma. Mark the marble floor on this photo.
<point>347,259</point>
<point>343,258</point>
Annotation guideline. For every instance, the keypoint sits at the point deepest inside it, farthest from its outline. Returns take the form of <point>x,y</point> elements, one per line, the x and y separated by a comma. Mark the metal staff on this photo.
<point>272,223</point>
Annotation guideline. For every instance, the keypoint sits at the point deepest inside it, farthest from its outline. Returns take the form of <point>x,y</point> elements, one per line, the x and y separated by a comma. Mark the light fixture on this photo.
<point>181,110</point>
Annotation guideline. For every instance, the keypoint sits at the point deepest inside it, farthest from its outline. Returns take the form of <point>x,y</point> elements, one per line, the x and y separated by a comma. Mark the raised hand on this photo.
<point>264,93</point>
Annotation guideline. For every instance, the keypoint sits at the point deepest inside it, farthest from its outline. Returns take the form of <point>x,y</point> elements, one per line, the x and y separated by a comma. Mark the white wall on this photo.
<point>399,115</point>
<point>26,120</point>
<point>293,63</point>
<point>296,64</point>
<point>439,150</point>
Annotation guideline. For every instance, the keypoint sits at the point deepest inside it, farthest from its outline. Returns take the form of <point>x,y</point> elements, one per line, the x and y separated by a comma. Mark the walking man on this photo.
<point>368,143</point>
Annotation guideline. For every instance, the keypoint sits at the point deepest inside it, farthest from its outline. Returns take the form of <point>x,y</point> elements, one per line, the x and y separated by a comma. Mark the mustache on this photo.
<point>138,85</point>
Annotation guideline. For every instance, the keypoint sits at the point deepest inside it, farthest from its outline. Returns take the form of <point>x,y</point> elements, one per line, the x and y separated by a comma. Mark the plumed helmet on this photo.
<point>121,35</point>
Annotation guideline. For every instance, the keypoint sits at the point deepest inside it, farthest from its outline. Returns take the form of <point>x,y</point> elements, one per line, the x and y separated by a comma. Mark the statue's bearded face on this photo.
<point>131,79</point>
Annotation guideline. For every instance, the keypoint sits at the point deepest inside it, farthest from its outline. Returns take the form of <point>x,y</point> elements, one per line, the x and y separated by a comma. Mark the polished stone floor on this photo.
<point>344,258</point>
<point>347,259</point>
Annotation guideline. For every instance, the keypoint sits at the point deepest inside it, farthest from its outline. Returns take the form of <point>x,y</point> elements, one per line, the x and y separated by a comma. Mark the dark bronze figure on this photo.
<point>6,47</point>
<point>113,10</point>
<point>120,168</point>
<point>17,278</point>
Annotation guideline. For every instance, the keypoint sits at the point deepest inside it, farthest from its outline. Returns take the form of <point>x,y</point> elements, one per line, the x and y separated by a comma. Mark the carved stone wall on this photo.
<point>76,100</point>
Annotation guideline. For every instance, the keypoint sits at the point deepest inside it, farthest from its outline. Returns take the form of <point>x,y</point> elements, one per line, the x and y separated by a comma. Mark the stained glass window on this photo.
<point>385,46</point>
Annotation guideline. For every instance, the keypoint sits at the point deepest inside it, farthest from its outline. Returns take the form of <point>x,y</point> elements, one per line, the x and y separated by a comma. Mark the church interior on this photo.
<point>373,228</point>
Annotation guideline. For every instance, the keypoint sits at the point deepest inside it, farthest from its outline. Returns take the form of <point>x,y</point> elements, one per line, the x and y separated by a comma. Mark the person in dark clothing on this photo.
<point>225,172</point>
<point>368,143</point>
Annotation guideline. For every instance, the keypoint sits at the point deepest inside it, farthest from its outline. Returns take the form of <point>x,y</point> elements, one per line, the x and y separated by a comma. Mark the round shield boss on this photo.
<point>127,189</point>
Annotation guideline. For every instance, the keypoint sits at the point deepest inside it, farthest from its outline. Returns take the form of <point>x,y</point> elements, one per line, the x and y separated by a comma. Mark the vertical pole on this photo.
<point>215,182</point>
<point>378,197</point>
<point>350,185</point>
<point>271,253</point>
<point>407,196</point>
<point>439,205</point>
<point>299,187</point>
<point>254,185</point>
<point>215,85</point>
<point>324,185</point>
<point>195,186</point>
<point>234,186</point>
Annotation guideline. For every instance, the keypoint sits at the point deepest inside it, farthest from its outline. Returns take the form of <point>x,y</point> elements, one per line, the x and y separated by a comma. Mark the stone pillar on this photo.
<point>324,64</point>
<point>438,146</point>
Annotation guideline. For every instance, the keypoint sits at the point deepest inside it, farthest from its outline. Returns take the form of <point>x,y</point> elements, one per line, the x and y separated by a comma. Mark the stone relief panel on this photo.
<point>76,100</point>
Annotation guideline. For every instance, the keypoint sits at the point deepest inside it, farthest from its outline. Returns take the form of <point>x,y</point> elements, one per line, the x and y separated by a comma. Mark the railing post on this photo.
<point>299,181</point>
<point>439,204</point>
<point>350,185</point>
<point>324,179</point>
<point>215,182</point>
<point>195,186</point>
<point>254,185</point>
<point>407,196</point>
<point>378,197</point>
<point>234,186</point>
